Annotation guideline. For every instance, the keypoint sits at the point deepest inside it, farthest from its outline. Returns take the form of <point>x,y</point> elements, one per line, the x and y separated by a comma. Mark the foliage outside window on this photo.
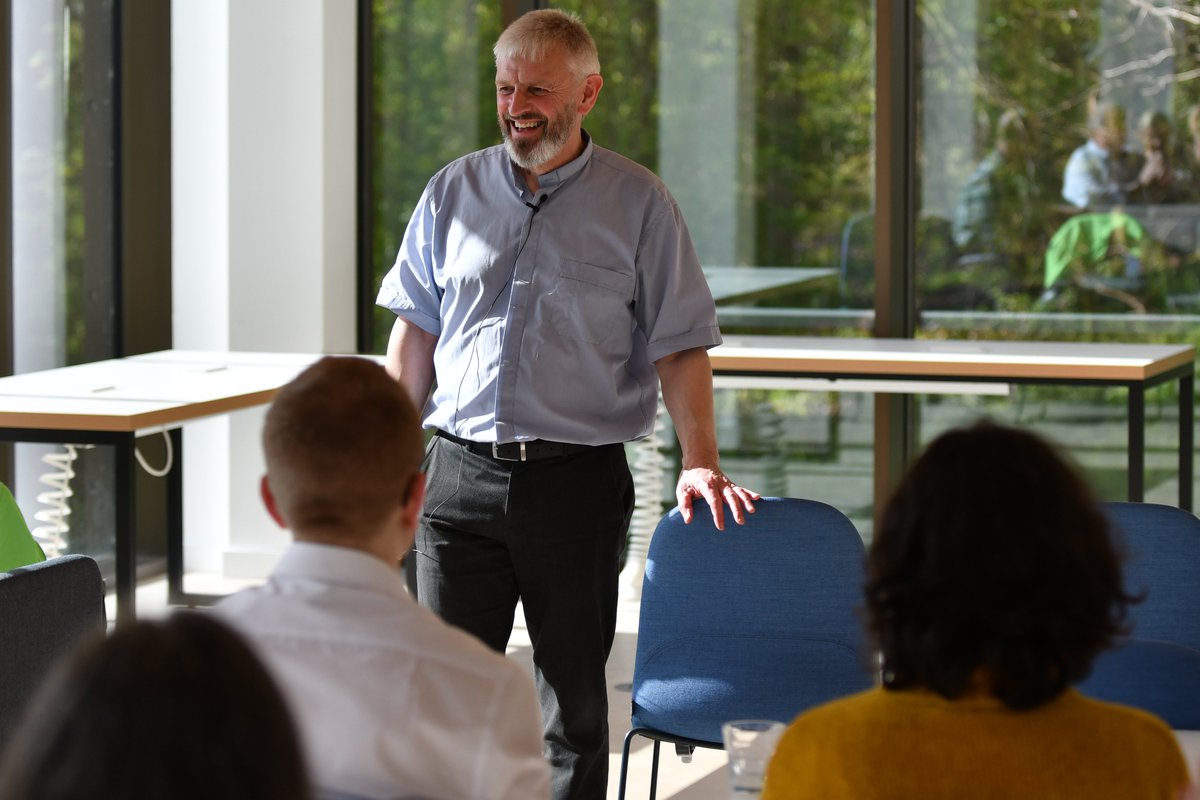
<point>759,115</point>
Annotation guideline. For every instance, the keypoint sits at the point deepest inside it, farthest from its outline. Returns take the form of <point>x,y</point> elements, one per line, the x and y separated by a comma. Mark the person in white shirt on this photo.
<point>1101,171</point>
<point>390,701</point>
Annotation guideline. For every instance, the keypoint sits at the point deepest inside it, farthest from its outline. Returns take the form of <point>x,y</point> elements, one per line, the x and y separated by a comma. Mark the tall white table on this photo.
<point>1136,367</point>
<point>115,401</point>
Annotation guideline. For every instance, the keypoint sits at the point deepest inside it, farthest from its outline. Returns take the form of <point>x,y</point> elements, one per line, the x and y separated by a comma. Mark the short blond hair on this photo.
<point>536,33</point>
<point>342,444</point>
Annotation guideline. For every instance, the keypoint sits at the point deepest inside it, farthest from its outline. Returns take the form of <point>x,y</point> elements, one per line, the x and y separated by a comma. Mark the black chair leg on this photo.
<point>654,772</point>
<point>624,764</point>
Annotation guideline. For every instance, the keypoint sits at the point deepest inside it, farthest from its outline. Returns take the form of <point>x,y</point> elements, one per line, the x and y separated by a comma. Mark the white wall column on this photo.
<point>264,229</point>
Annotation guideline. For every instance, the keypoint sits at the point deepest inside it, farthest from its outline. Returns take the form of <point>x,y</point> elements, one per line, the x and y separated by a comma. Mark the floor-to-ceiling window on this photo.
<point>62,255</point>
<point>429,101</point>
<point>89,274</point>
<point>761,116</point>
<point>1028,231</point>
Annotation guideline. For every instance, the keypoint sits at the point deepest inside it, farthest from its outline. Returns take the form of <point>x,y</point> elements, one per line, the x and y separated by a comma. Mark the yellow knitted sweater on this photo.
<point>885,745</point>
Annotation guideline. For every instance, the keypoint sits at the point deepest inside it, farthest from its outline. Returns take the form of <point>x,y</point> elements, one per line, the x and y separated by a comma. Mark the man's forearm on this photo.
<point>687,389</point>
<point>410,360</point>
<point>688,392</point>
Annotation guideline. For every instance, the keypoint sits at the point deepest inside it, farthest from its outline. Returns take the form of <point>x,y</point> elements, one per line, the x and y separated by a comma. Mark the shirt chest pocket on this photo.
<point>590,303</point>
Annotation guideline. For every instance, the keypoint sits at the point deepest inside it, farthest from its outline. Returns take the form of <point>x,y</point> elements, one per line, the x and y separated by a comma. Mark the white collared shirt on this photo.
<point>390,701</point>
<point>1090,177</point>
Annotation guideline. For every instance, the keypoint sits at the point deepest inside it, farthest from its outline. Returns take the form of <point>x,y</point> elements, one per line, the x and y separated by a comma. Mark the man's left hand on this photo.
<point>713,487</point>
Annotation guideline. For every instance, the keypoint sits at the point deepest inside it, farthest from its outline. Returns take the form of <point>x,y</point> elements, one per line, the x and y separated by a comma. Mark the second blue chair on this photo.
<point>1158,668</point>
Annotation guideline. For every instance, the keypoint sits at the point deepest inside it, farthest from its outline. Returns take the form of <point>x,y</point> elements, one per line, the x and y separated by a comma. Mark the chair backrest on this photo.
<point>1160,677</point>
<point>1163,548</point>
<point>46,609</point>
<point>1157,669</point>
<point>754,622</point>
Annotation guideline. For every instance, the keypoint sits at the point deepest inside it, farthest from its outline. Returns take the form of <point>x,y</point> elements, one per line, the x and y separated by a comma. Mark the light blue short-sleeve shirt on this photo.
<point>550,308</point>
<point>1088,177</point>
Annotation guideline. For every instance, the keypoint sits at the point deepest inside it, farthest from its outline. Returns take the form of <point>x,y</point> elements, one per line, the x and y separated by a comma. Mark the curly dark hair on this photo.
<point>993,559</point>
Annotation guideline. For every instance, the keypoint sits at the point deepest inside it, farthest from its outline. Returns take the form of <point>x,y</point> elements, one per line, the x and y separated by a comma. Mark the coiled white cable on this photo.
<point>51,535</point>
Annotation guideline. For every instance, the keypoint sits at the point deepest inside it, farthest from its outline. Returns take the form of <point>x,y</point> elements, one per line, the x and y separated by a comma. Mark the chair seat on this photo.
<point>715,679</point>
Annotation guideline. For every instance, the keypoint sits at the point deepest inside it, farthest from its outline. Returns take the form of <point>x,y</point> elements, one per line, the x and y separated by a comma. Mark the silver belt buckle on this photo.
<point>496,452</point>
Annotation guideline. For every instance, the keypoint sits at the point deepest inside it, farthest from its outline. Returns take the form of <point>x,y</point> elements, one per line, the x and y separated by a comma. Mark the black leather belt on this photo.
<point>528,450</point>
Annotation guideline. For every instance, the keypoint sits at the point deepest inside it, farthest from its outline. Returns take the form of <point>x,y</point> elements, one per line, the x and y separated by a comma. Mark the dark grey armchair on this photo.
<point>46,609</point>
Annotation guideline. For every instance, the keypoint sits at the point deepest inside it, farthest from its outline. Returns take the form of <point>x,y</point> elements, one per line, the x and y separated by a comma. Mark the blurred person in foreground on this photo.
<point>390,701</point>
<point>992,584</point>
<point>178,709</point>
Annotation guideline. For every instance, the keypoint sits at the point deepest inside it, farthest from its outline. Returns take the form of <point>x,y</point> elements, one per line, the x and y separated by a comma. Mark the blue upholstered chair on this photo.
<point>1160,677</point>
<point>46,609</point>
<point>754,622</point>
<point>1158,667</point>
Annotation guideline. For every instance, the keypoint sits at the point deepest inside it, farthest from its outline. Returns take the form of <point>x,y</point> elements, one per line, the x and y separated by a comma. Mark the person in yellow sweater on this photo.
<point>991,586</point>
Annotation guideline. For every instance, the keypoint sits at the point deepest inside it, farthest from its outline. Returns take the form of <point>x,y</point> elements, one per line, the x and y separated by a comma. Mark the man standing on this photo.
<point>547,286</point>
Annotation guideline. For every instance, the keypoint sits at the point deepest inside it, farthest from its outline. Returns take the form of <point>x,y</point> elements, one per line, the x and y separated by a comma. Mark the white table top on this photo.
<point>155,389</point>
<point>998,360</point>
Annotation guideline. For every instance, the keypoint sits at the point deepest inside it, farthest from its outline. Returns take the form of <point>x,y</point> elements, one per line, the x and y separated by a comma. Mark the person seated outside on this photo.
<point>992,584</point>
<point>1159,178</point>
<point>180,708</point>
<point>390,701</point>
<point>1190,173</point>
<point>1100,171</point>
<point>993,210</point>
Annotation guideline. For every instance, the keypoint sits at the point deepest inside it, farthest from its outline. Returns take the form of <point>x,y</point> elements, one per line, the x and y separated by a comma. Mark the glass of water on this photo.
<point>749,744</point>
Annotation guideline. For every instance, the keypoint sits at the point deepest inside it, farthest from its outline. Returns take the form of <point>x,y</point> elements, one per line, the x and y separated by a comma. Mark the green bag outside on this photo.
<point>18,548</point>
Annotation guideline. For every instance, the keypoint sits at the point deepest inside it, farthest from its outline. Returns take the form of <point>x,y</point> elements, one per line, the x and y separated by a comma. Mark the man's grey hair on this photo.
<point>536,33</point>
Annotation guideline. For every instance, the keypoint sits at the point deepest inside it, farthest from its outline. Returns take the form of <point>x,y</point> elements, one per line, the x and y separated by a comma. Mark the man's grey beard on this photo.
<point>556,134</point>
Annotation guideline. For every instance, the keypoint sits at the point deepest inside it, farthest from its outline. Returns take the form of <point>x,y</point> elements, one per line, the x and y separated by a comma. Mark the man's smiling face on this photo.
<point>538,106</point>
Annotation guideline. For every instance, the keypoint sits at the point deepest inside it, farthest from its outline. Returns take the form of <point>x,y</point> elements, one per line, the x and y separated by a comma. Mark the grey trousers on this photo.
<point>550,533</point>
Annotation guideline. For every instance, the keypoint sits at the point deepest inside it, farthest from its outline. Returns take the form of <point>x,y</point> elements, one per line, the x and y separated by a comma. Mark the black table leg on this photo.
<point>125,505</point>
<point>1187,393</point>
<point>176,566</point>
<point>175,521</point>
<point>1137,442</point>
